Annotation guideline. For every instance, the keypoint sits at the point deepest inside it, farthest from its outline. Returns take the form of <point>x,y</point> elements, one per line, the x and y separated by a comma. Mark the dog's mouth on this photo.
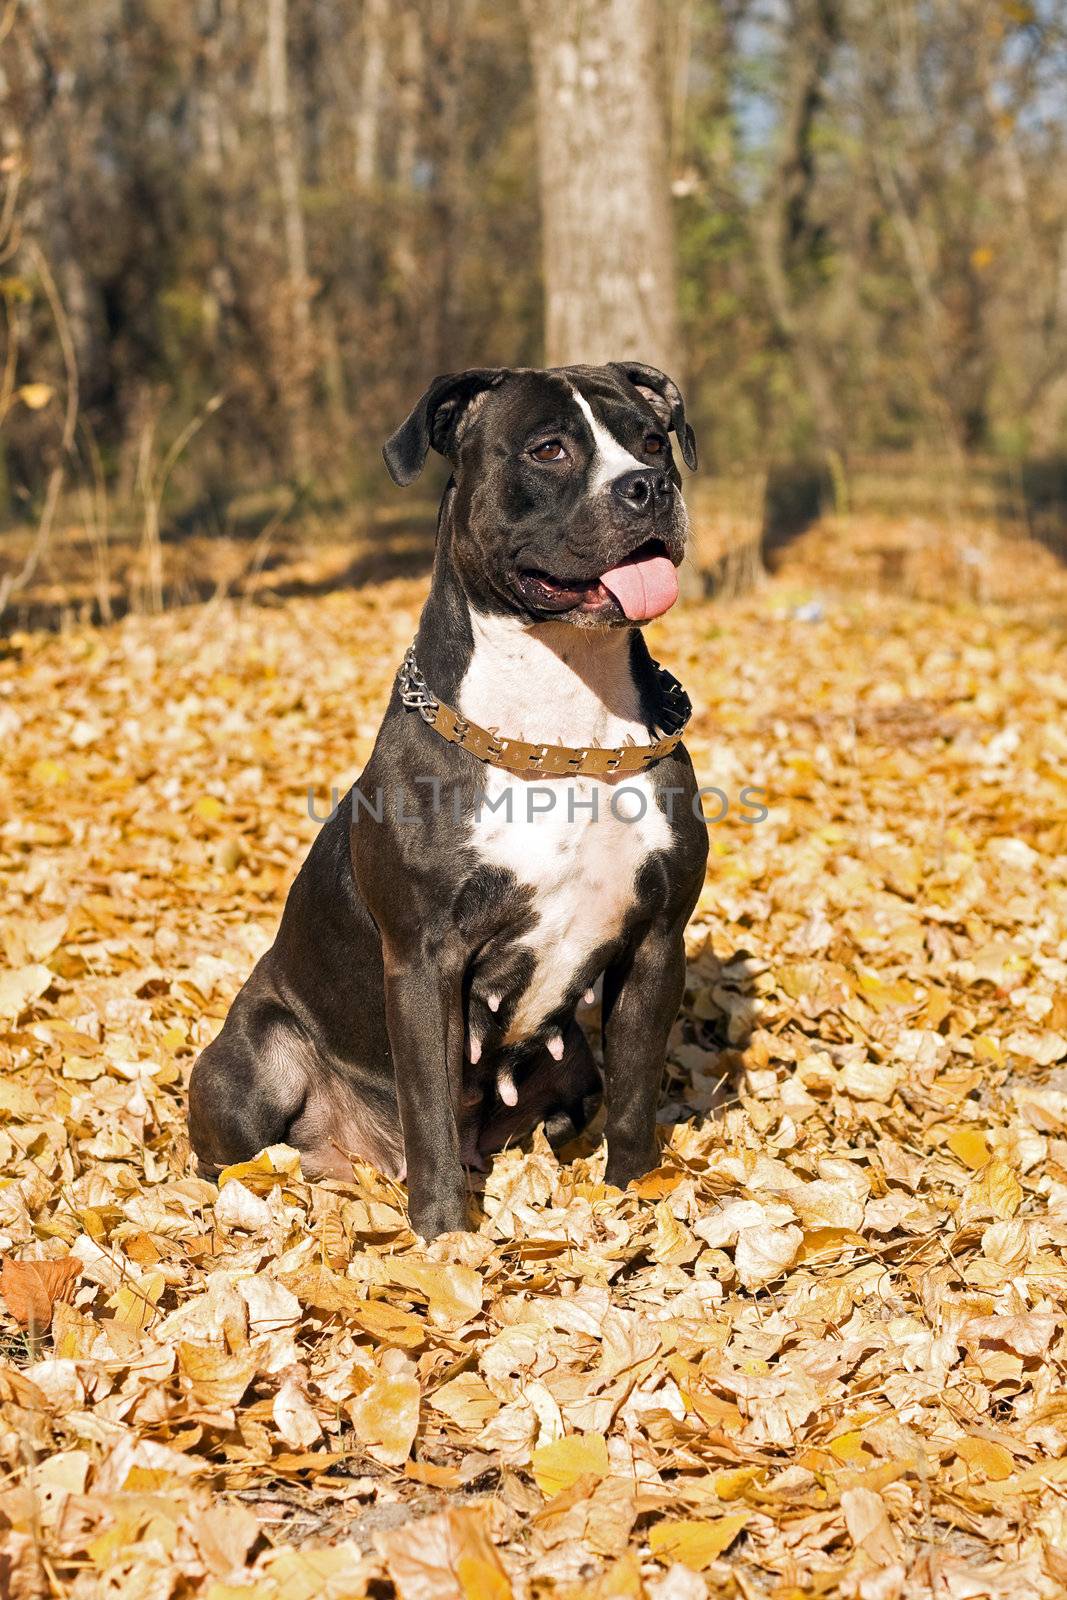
<point>643,586</point>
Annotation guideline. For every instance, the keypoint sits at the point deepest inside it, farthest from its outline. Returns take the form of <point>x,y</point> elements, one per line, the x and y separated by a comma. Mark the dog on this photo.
<point>417,1009</point>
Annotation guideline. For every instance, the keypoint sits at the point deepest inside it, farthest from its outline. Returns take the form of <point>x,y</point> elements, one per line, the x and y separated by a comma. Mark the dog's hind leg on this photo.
<point>246,1090</point>
<point>553,1091</point>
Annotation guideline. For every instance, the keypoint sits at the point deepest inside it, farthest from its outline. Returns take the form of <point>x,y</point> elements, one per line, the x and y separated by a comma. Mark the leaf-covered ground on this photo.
<point>819,1351</point>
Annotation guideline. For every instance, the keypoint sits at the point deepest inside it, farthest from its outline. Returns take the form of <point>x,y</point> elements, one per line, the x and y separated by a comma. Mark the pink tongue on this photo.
<point>644,589</point>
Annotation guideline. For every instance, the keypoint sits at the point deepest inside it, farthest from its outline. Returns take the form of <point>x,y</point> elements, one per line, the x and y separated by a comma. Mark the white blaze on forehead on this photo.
<point>611,459</point>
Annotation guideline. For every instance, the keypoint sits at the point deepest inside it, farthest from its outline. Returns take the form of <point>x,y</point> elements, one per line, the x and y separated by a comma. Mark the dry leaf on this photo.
<point>559,1465</point>
<point>969,1145</point>
<point>995,1192</point>
<point>36,395</point>
<point>445,1557</point>
<point>867,1055</point>
<point>386,1417</point>
<point>695,1544</point>
<point>32,1288</point>
<point>763,1254</point>
<point>294,1415</point>
<point>277,1165</point>
<point>238,1207</point>
<point>20,989</point>
<point>215,1378</point>
<point>869,1526</point>
<point>454,1293</point>
<point>986,1457</point>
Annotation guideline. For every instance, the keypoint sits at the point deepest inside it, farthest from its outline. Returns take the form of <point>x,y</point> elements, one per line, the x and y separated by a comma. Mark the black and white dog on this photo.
<point>417,1009</point>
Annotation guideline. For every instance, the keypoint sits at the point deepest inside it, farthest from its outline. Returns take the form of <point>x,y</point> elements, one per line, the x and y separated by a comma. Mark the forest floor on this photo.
<point>820,1350</point>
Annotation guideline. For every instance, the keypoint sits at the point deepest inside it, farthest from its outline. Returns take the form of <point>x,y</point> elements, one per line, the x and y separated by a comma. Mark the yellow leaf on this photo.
<point>557,1466</point>
<point>1035,1479</point>
<point>147,1480</point>
<point>49,774</point>
<point>390,1325</point>
<point>81,1070</point>
<point>331,1570</point>
<point>386,1417</point>
<point>982,1455</point>
<point>658,1183</point>
<point>695,1544</point>
<point>429,1472</point>
<point>215,1378</point>
<point>278,1164</point>
<point>453,1293</point>
<point>36,395</point>
<point>996,1192</point>
<point>467,1400</point>
<point>850,1447</point>
<point>19,989</point>
<point>734,1485</point>
<point>969,1146</point>
<point>240,1591</point>
<point>868,1524</point>
<point>135,1303</point>
<point>482,1580</point>
<point>828,1244</point>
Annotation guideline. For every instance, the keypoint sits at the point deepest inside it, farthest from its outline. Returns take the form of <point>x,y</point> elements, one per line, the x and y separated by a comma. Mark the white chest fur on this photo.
<point>576,843</point>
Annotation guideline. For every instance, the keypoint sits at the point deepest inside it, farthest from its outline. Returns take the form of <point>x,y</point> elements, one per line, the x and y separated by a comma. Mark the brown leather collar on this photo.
<point>551,760</point>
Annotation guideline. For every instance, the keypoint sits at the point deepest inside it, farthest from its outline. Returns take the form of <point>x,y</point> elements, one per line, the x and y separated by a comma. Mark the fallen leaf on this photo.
<point>449,1556</point>
<point>20,989</point>
<point>969,1145</point>
<point>868,1525</point>
<point>36,395</point>
<point>32,1288</point>
<point>294,1415</point>
<point>215,1378</point>
<point>986,1457</point>
<point>558,1465</point>
<point>386,1417</point>
<point>763,1254</point>
<point>695,1544</point>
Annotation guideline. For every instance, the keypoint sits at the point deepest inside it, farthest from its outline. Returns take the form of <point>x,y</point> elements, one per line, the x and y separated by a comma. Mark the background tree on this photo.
<point>607,225</point>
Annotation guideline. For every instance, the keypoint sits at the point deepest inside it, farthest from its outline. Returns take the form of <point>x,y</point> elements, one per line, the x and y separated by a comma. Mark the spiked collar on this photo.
<point>550,760</point>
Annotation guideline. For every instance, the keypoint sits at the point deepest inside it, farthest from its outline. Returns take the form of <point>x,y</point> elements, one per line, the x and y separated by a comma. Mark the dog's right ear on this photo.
<point>435,421</point>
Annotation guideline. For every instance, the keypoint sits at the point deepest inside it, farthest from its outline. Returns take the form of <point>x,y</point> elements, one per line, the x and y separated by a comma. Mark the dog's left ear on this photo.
<point>665,398</point>
<point>435,421</point>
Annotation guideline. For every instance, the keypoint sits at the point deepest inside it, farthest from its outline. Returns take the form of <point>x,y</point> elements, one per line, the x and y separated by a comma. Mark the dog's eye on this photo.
<point>654,443</point>
<point>551,450</point>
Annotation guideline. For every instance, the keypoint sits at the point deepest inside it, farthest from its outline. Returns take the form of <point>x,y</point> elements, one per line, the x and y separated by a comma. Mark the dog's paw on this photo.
<point>625,1167</point>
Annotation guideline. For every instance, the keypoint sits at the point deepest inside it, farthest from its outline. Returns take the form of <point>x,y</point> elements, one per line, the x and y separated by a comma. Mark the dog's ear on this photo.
<point>435,421</point>
<point>665,398</point>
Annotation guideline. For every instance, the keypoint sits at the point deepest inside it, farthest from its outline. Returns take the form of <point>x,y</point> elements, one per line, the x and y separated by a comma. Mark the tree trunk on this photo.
<point>410,111</point>
<point>784,235</point>
<point>605,183</point>
<point>296,377</point>
<point>371,79</point>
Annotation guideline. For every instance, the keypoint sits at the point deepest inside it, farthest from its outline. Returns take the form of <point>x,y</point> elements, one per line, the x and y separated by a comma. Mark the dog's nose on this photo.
<point>643,491</point>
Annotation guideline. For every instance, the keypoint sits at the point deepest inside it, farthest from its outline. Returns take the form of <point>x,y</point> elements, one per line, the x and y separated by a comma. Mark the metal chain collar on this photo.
<point>554,760</point>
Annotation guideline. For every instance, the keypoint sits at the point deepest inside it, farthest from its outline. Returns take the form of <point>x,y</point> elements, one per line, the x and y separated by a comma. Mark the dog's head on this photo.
<point>566,501</point>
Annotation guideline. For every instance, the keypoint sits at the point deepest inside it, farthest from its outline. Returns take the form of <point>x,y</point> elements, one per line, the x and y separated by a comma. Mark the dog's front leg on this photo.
<point>641,999</point>
<point>423,1012</point>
